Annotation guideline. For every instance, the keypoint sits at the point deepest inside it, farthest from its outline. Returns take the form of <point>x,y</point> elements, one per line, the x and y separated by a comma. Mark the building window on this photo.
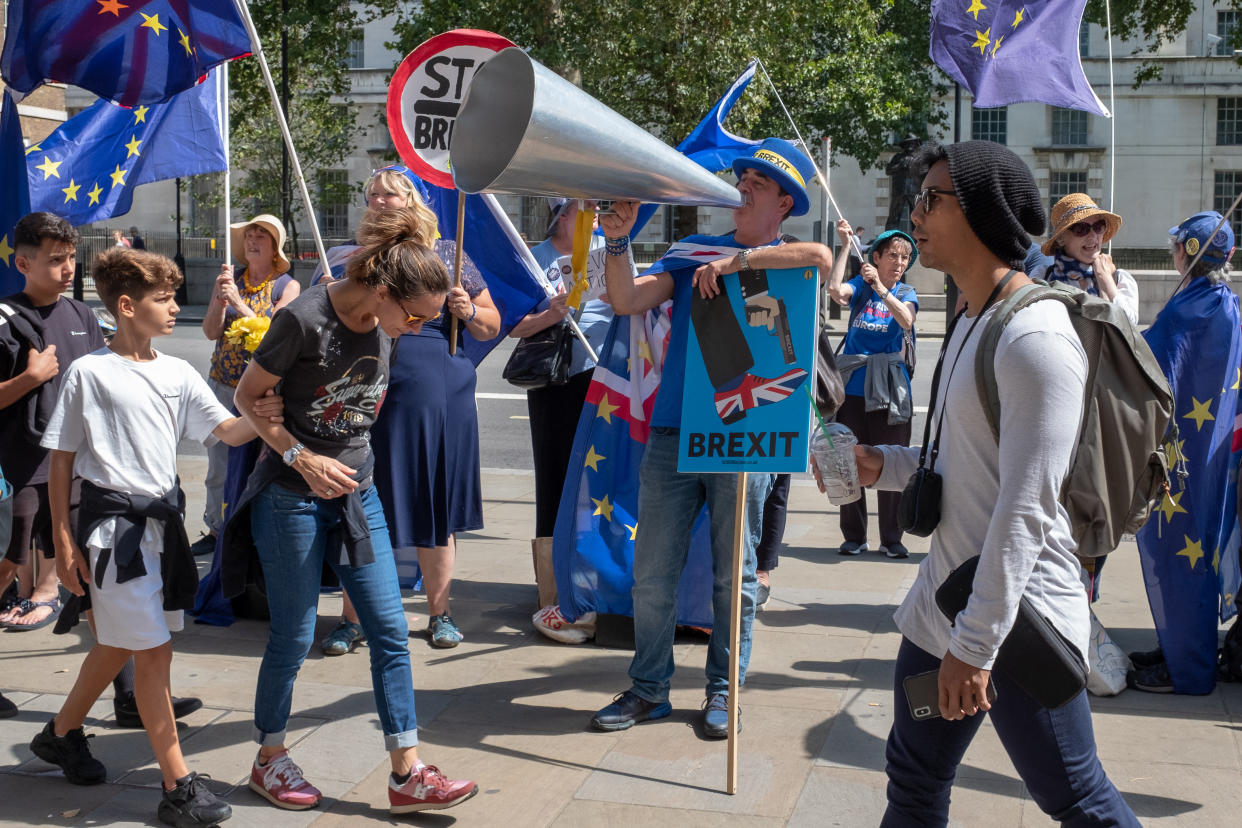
<point>334,203</point>
<point>355,55</point>
<point>1229,121</point>
<point>1069,127</point>
<point>1226,28</point>
<point>1228,185</point>
<point>989,124</point>
<point>1084,39</point>
<point>1061,184</point>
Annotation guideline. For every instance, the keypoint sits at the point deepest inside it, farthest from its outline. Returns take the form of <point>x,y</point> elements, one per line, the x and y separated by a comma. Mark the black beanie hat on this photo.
<point>998,196</point>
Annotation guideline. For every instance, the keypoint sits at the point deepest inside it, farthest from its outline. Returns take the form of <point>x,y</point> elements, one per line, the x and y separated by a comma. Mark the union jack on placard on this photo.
<point>754,391</point>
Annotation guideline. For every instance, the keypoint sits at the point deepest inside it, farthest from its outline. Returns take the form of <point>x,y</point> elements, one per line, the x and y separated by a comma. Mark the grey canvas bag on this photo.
<point>1119,470</point>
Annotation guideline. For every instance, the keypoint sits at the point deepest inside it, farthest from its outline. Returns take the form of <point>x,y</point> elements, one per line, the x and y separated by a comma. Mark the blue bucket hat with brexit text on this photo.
<point>1197,232</point>
<point>785,164</point>
<point>885,236</point>
<point>419,186</point>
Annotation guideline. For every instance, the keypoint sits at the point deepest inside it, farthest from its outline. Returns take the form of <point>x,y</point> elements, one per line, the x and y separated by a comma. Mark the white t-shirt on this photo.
<point>124,419</point>
<point>1002,500</point>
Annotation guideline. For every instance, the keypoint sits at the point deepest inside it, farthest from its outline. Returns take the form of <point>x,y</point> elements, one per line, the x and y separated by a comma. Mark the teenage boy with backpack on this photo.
<point>973,217</point>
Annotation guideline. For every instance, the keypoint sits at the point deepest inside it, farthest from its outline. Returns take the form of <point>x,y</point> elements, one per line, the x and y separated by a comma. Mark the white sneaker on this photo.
<point>555,626</point>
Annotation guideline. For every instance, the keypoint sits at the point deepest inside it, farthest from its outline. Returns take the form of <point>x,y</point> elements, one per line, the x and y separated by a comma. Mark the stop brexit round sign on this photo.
<point>427,90</point>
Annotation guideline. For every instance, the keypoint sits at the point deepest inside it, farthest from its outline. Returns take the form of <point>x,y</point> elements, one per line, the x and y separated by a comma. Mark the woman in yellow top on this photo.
<point>261,288</point>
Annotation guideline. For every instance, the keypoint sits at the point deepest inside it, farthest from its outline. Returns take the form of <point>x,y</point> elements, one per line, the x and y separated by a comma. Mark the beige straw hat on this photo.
<point>237,232</point>
<point>1072,209</point>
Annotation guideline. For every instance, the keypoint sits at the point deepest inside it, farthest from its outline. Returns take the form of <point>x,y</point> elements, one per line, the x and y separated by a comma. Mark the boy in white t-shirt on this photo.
<point>121,412</point>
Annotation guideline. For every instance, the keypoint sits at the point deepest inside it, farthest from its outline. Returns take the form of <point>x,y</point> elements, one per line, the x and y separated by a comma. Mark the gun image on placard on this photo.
<point>765,311</point>
<point>782,330</point>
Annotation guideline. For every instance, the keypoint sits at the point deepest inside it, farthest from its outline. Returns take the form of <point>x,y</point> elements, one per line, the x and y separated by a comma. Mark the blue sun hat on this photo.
<point>885,236</point>
<point>1197,232</point>
<point>785,164</point>
<point>419,186</point>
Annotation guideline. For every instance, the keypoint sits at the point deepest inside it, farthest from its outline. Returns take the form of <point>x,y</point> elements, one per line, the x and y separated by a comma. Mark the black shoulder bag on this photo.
<point>543,358</point>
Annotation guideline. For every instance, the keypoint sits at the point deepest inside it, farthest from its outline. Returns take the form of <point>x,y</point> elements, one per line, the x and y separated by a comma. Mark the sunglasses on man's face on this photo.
<point>928,195</point>
<point>1083,229</point>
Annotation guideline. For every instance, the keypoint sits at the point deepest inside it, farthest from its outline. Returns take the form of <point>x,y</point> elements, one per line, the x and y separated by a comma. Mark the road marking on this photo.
<point>518,417</point>
<point>491,395</point>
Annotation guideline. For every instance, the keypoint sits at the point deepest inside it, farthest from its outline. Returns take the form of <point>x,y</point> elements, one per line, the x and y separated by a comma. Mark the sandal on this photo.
<point>27,606</point>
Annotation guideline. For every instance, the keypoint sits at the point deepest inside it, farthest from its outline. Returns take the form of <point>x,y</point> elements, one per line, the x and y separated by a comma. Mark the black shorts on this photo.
<point>32,521</point>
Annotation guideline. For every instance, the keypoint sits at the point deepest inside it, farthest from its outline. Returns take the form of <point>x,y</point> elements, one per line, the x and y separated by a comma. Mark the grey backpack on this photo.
<point>1119,470</point>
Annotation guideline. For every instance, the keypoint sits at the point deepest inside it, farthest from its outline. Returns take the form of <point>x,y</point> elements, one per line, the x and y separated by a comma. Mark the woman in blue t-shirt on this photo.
<point>873,364</point>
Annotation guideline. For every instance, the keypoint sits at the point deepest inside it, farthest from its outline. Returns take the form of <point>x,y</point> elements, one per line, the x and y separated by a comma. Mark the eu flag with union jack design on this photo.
<point>129,52</point>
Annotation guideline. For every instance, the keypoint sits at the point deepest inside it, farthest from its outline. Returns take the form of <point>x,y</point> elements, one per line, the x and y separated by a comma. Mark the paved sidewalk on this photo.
<point>510,709</point>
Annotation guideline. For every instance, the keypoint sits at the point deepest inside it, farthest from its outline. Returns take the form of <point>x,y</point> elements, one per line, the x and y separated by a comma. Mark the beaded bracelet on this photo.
<point>618,246</point>
<point>474,311</point>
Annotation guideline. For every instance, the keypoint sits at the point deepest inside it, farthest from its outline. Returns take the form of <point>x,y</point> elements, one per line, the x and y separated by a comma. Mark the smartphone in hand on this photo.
<point>923,694</point>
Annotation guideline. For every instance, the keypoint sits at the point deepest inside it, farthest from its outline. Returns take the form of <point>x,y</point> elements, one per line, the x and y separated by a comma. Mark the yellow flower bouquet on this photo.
<point>248,331</point>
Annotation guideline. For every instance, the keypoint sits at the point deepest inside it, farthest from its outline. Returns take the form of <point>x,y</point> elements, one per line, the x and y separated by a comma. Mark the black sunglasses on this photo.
<point>928,195</point>
<point>1082,228</point>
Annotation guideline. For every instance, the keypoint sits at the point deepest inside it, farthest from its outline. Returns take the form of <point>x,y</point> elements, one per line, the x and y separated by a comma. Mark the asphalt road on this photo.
<point>504,431</point>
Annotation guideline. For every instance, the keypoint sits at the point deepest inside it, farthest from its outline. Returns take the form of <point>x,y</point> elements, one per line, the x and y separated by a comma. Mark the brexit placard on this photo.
<point>749,360</point>
<point>427,90</point>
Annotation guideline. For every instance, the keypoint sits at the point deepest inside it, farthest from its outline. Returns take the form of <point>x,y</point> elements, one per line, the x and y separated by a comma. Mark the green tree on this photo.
<point>854,71</point>
<point>322,120</point>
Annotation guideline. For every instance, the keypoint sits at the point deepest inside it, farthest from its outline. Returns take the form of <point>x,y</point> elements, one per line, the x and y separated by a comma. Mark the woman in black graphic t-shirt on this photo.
<point>310,499</point>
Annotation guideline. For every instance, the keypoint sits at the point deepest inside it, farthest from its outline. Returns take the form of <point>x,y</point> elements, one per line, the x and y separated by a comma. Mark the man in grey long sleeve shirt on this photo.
<point>972,218</point>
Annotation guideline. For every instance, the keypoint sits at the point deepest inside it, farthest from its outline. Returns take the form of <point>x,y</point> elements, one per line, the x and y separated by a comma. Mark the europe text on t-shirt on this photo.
<point>70,326</point>
<point>873,330</point>
<point>124,419</point>
<point>333,379</point>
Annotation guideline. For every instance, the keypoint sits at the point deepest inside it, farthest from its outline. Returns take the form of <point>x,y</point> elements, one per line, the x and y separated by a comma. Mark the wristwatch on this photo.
<point>743,259</point>
<point>291,454</point>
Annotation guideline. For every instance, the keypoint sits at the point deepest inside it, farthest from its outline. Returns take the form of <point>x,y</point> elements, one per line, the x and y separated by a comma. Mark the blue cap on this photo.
<point>419,186</point>
<point>785,164</point>
<point>1196,232</point>
<point>888,234</point>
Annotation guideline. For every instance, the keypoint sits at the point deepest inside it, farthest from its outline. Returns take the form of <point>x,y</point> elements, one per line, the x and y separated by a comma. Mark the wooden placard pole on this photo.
<point>457,246</point>
<point>735,629</point>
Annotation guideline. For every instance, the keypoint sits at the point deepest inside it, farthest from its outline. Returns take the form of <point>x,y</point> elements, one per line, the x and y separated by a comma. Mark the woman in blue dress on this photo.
<point>426,437</point>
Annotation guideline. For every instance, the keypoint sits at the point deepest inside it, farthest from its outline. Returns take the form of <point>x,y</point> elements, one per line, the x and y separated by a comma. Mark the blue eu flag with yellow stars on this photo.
<point>1189,546</point>
<point>131,52</point>
<point>87,169</point>
<point>1012,51</point>
<point>14,198</point>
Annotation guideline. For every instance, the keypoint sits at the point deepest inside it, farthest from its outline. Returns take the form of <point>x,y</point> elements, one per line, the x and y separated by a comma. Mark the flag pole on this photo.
<point>257,46</point>
<point>819,176</point>
<point>1112,119</point>
<point>519,244</point>
<point>223,92</point>
<point>457,248</point>
<point>735,630</point>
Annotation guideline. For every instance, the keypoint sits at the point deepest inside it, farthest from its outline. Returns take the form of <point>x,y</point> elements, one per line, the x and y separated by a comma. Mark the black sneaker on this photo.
<point>1153,679</point>
<point>7,709</point>
<point>627,710</point>
<point>126,710</point>
<point>192,805</point>
<point>71,753</point>
<point>1150,658</point>
<point>206,545</point>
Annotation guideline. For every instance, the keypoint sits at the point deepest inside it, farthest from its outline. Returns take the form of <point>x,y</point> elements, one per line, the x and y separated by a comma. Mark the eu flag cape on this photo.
<point>1189,547</point>
<point>14,197</point>
<point>132,53</point>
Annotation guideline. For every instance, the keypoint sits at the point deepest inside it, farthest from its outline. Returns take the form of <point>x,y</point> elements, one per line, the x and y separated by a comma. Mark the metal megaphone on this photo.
<point>524,130</point>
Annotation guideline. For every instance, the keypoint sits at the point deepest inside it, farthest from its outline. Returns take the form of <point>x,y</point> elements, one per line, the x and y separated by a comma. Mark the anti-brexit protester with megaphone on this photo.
<point>772,182</point>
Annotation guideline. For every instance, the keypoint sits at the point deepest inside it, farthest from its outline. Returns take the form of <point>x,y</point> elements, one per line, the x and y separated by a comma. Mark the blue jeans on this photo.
<point>668,502</point>
<point>1053,751</point>
<point>290,532</point>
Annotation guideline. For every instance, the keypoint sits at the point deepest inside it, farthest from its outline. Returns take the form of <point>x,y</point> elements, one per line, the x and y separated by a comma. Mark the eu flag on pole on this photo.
<point>1012,51</point>
<point>14,198</point>
<point>130,52</point>
<point>496,249</point>
<point>1189,546</point>
<point>87,169</point>
<point>709,144</point>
